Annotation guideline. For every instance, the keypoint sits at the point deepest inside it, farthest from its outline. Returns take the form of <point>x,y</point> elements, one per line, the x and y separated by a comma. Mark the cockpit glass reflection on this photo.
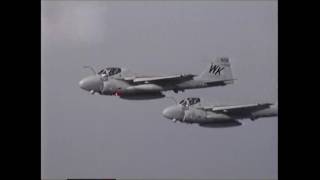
<point>189,101</point>
<point>109,71</point>
<point>183,102</point>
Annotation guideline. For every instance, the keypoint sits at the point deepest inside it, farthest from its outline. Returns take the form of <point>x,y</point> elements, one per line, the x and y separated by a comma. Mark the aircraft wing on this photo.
<point>163,78</point>
<point>238,108</point>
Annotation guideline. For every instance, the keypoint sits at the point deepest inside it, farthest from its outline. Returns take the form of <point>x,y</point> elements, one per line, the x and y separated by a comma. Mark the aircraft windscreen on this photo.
<point>183,102</point>
<point>189,101</point>
<point>109,71</point>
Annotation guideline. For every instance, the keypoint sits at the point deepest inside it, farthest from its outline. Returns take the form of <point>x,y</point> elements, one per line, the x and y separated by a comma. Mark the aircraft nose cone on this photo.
<point>173,112</point>
<point>82,84</point>
<point>167,113</point>
<point>91,83</point>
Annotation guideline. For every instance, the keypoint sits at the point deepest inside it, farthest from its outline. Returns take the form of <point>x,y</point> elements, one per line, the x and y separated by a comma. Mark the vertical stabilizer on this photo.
<point>218,70</point>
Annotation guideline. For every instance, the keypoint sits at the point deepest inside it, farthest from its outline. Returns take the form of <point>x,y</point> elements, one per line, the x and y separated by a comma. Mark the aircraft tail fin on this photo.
<point>218,71</point>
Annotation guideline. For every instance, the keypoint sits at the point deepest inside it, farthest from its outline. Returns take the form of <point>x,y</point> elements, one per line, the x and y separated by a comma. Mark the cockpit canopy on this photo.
<point>109,71</point>
<point>190,101</point>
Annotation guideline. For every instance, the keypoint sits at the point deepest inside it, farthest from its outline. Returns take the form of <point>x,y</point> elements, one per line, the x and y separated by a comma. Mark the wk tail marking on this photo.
<point>215,69</point>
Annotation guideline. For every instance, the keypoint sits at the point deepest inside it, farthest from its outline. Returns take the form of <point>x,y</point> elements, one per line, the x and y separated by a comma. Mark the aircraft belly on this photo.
<point>199,116</point>
<point>142,96</point>
<point>216,120</point>
<point>215,117</point>
<point>144,88</point>
<point>231,123</point>
<point>194,116</point>
<point>190,84</point>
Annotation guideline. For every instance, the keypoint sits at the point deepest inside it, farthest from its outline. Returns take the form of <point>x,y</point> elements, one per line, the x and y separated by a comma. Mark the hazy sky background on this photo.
<point>92,136</point>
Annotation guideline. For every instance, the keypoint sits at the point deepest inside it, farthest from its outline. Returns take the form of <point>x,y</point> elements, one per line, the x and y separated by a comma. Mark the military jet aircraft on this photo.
<point>116,81</point>
<point>190,111</point>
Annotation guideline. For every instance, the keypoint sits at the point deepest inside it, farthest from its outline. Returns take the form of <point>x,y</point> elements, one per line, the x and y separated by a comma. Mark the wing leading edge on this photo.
<point>238,108</point>
<point>163,78</point>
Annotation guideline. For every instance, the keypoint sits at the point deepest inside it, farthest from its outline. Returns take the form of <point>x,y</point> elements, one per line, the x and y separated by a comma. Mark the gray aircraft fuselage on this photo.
<point>119,82</point>
<point>209,118</point>
<point>125,89</point>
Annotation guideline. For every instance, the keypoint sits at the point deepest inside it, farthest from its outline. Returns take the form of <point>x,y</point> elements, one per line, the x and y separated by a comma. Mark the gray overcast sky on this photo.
<point>85,136</point>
